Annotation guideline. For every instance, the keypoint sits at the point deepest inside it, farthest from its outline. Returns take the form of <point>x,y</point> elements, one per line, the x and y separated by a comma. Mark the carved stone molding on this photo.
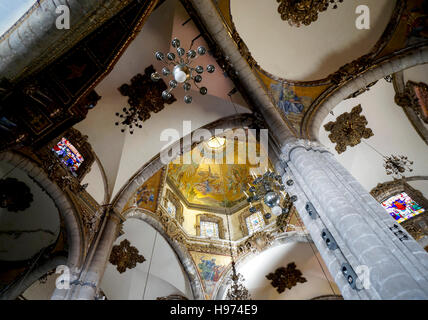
<point>257,242</point>
<point>417,226</point>
<point>124,256</point>
<point>348,129</point>
<point>286,278</point>
<point>385,190</point>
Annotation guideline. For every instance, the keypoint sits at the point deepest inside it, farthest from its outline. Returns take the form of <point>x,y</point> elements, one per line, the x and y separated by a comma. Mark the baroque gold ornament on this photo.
<point>348,129</point>
<point>286,278</point>
<point>124,256</point>
<point>298,12</point>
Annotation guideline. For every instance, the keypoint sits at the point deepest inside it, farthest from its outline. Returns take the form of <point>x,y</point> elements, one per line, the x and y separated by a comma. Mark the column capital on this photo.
<point>292,144</point>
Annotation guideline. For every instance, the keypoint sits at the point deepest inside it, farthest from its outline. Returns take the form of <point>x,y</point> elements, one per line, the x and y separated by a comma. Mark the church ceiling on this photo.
<point>147,196</point>
<point>211,183</point>
<point>297,98</point>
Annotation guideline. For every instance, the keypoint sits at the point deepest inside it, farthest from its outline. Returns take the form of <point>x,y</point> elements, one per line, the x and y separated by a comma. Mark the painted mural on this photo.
<point>210,268</point>
<point>286,99</point>
<point>147,195</point>
<point>210,183</point>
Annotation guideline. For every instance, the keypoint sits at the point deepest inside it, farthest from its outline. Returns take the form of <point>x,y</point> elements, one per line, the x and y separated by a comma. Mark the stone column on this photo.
<point>84,285</point>
<point>367,238</point>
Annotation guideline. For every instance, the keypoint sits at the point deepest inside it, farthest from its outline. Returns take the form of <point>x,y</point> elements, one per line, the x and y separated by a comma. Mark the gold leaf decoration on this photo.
<point>286,278</point>
<point>124,256</point>
<point>348,129</point>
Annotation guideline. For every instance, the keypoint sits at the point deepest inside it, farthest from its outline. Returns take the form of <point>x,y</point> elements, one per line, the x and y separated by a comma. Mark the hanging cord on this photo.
<point>10,171</point>
<point>373,149</point>
<point>150,264</point>
<point>319,262</point>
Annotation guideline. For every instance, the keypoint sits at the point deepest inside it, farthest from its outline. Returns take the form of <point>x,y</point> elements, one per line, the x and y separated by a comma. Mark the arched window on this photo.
<point>402,207</point>
<point>209,226</point>
<point>173,206</point>
<point>68,154</point>
<point>254,222</point>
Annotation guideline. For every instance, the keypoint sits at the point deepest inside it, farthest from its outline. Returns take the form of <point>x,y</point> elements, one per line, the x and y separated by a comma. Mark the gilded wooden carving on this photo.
<point>256,243</point>
<point>145,96</point>
<point>177,204</point>
<point>286,278</point>
<point>348,129</point>
<point>298,12</point>
<point>124,256</point>
<point>418,98</point>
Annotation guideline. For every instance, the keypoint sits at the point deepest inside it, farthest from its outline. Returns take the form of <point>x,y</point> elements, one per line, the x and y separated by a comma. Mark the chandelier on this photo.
<point>269,188</point>
<point>305,12</point>
<point>397,165</point>
<point>237,290</point>
<point>182,71</point>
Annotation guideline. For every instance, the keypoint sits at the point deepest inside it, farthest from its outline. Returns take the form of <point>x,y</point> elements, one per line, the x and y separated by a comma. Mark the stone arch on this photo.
<point>222,286</point>
<point>18,288</point>
<point>155,164</point>
<point>62,202</point>
<point>399,61</point>
<point>181,253</point>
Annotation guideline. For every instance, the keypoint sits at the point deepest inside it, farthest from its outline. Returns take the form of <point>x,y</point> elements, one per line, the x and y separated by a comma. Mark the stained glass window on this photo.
<point>68,154</point>
<point>209,229</point>
<point>401,207</point>
<point>255,222</point>
<point>171,208</point>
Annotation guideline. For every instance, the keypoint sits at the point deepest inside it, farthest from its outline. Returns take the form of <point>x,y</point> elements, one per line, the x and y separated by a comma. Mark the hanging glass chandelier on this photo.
<point>237,290</point>
<point>181,70</point>
<point>269,188</point>
<point>397,165</point>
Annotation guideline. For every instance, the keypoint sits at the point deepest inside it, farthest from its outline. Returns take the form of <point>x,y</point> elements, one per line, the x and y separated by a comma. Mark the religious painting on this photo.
<point>210,268</point>
<point>68,155</point>
<point>215,174</point>
<point>286,99</point>
<point>402,207</point>
<point>146,197</point>
<point>214,185</point>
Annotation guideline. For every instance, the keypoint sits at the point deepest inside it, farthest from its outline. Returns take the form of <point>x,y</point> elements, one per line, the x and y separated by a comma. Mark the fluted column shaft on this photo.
<point>360,226</point>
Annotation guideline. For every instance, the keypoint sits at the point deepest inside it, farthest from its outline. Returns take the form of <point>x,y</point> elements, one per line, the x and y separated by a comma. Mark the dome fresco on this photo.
<point>213,183</point>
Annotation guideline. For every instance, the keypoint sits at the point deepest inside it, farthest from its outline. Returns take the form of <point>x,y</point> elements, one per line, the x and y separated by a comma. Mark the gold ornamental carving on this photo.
<point>257,242</point>
<point>348,129</point>
<point>286,278</point>
<point>124,256</point>
<point>298,12</point>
